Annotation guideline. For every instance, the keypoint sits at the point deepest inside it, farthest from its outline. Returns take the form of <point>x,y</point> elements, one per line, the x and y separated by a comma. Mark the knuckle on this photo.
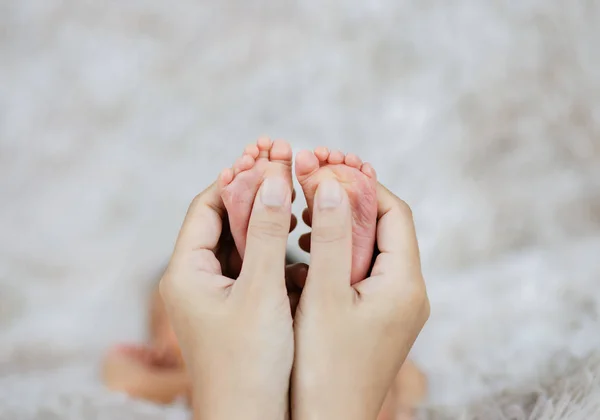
<point>328,234</point>
<point>199,202</point>
<point>262,229</point>
<point>196,202</point>
<point>404,209</point>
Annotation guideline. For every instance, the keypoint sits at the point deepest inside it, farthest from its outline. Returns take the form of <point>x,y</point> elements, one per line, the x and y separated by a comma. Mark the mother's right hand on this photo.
<point>352,340</point>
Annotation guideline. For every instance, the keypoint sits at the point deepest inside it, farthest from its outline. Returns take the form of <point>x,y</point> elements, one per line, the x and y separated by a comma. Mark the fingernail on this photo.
<point>329,194</point>
<point>274,192</point>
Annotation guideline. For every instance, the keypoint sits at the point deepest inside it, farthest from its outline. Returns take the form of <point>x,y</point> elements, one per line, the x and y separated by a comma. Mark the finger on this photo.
<point>293,223</point>
<point>202,228</point>
<point>396,278</point>
<point>331,239</point>
<point>268,229</point>
<point>396,236</point>
<point>304,242</point>
<point>307,217</point>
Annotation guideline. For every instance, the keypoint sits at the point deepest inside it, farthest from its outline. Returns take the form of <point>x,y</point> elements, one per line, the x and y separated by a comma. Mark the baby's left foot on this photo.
<point>141,373</point>
<point>239,184</point>
<point>146,355</point>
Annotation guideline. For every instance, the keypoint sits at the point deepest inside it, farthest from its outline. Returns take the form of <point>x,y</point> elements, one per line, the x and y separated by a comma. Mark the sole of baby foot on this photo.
<point>360,183</point>
<point>240,183</point>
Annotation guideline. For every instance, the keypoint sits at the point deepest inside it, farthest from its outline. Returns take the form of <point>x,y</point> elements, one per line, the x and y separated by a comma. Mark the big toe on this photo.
<point>306,164</point>
<point>281,151</point>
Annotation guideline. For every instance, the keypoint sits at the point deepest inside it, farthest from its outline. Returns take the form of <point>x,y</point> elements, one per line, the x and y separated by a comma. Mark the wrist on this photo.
<point>335,402</point>
<point>308,410</point>
<point>226,400</point>
<point>227,407</point>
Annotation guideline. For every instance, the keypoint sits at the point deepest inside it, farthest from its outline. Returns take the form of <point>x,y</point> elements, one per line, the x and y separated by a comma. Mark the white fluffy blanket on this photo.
<point>483,115</point>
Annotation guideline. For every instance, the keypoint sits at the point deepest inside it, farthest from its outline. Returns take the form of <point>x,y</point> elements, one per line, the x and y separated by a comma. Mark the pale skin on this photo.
<point>353,339</point>
<point>224,312</point>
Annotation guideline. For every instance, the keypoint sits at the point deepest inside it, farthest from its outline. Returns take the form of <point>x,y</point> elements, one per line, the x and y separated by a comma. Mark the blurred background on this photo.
<point>483,116</point>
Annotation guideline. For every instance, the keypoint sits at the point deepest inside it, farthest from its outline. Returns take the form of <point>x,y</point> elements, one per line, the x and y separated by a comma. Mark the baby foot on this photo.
<point>406,393</point>
<point>240,184</point>
<point>146,355</point>
<point>140,373</point>
<point>360,182</point>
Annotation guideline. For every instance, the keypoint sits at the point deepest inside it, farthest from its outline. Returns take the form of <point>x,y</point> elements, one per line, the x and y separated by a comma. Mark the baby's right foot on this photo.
<point>240,184</point>
<point>406,393</point>
<point>360,182</point>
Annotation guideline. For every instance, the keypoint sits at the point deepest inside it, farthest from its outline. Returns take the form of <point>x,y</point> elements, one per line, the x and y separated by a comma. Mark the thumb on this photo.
<point>331,238</point>
<point>268,229</point>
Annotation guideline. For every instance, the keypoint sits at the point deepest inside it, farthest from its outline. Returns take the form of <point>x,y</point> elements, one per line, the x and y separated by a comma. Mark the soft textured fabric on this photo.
<point>483,115</point>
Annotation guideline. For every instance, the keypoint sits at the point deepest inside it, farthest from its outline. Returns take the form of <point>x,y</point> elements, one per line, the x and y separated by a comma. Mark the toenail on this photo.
<point>274,192</point>
<point>329,194</point>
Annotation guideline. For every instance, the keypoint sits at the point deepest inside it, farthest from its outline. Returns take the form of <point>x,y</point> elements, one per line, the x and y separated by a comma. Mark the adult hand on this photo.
<point>352,340</point>
<point>236,335</point>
